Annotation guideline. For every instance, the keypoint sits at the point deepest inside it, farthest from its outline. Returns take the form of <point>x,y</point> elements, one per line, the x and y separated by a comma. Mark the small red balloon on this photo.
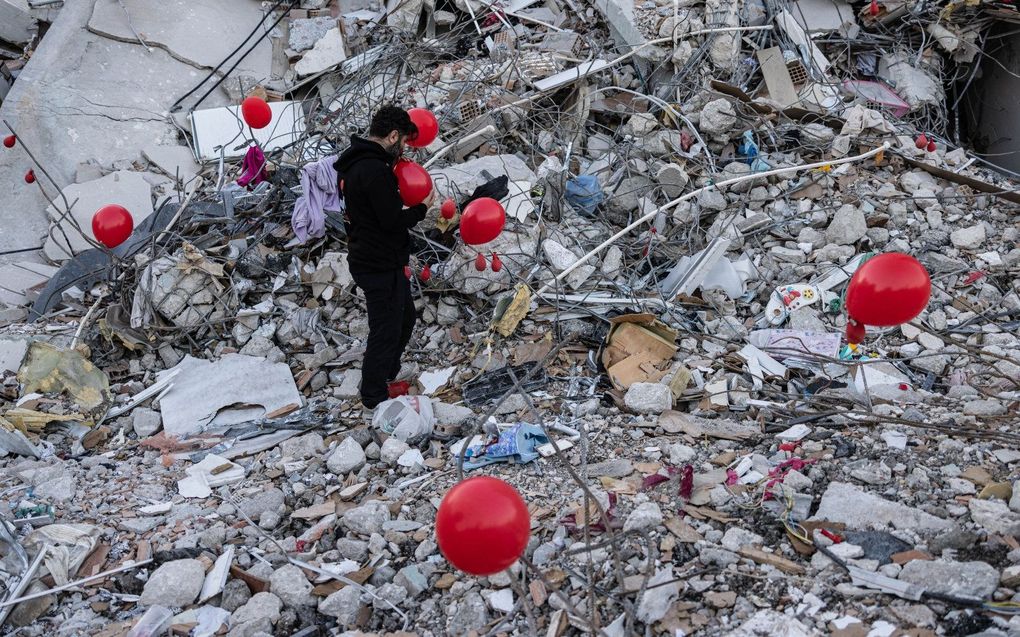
<point>426,273</point>
<point>428,127</point>
<point>887,290</point>
<point>9,141</point>
<point>482,221</point>
<point>497,264</point>
<point>931,146</point>
<point>448,210</point>
<point>921,142</point>
<point>30,176</point>
<point>480,263</point>
<point>854,333</point>
<point>414,182</point>
<point>407,272</point>
<point>112,225</point>
<point>873,9</point>
<point>256,112</point>
<point>482,525</point>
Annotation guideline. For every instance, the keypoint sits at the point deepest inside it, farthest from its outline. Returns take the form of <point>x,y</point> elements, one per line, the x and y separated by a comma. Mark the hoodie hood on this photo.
<point>359,149</point>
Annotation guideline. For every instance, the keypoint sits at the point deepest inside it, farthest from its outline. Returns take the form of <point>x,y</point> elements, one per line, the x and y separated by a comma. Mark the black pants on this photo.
<point>391,317</point>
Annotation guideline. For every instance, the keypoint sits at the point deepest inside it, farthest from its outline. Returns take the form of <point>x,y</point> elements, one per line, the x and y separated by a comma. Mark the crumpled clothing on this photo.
<point>319,194</point>
<point>858,119</point>
<point>518,444</point>
<point>253,168</point>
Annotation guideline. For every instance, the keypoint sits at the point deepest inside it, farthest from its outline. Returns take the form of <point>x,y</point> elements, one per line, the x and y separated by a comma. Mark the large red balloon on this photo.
<point>482,525</point>
<point>112,225</point>
<point>414,182</point>
<point>256,112</point>
<point>428,128</point>
<point>887,290</point>
<point>482,221</point>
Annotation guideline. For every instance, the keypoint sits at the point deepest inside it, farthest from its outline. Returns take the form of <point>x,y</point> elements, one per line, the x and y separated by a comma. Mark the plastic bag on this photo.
<point>407,418</point>
<point>584,194</point>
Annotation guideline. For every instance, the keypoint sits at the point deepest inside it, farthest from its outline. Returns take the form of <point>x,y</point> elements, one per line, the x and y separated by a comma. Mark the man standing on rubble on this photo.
<point>379,244</point>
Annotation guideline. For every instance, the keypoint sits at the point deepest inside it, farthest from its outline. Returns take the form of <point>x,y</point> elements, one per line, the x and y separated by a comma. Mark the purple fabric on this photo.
<point>319,193</point>
<point>253,168</point>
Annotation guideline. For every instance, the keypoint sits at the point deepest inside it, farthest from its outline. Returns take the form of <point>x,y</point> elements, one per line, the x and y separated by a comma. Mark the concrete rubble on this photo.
<point>702,453</point>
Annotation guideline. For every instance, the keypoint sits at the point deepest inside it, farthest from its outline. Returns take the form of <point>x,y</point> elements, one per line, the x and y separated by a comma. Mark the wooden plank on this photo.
<point>761,557</point>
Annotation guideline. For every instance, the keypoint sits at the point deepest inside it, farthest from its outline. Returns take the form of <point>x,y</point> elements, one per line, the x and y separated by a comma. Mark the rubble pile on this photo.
<point>657,364</point>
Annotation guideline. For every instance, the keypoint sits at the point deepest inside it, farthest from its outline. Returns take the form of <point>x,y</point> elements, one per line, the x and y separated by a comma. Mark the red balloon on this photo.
<point>426,273</point>
<point>482,525</point>
<point>407,272</point>
<point>482,221</point>
<point>480,263</point>
<point>921,141</point>
<point>932,146</point>
<point>888,290</point>
<point>497,264</point>
<point>112,225</point>
<point>256,112</point>
<point>414,182</point>
<point>428,128</point>
<point>9,141</point>
<point>30,176</point>
<point>448,210</point>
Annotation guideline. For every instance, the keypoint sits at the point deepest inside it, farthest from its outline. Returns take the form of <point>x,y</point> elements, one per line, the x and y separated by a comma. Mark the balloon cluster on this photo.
<point>923,143</point>
<point>887,290</point>
<point>482,525</point>
<point>480,263</point>
<point>483,219</point>
<point>111,225</point>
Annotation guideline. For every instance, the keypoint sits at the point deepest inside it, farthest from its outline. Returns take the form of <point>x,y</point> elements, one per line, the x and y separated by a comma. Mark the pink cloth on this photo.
<point>253,168</point>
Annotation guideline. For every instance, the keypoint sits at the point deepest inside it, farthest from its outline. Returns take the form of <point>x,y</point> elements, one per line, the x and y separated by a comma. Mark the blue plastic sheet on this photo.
<point>518,444</point>
<point>584,194</point>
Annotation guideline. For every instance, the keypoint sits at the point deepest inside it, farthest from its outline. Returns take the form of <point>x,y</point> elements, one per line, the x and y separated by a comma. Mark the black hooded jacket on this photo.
<point>377,240</point>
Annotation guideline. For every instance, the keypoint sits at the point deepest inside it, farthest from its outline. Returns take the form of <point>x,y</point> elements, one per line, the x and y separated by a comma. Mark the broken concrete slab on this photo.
<point>18,279</point>
<point>974,580</point>
<point>123,188</point>
<point>111,86</point>
<point>859,509</point>
<point>177,162</point>
<point>461,180</point>
<point>16,23</point>
<point>305,32</point>
<point>327,53</point>
<point>12,354</point>
<point>189,30</point>
<point>247,388</point>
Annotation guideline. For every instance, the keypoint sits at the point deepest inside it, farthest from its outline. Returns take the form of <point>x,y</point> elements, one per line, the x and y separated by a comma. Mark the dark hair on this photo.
<point>391,118</point>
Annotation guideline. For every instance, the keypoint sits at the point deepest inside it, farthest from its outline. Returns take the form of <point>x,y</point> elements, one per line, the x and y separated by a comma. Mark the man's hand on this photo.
<point>431,198</point>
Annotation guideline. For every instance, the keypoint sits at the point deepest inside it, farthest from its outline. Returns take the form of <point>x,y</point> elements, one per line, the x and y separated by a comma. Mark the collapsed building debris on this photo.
<point>657,363</point>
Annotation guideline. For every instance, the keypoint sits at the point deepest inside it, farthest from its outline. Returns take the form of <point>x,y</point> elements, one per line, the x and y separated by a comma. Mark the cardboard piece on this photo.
<point>638,347</point>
